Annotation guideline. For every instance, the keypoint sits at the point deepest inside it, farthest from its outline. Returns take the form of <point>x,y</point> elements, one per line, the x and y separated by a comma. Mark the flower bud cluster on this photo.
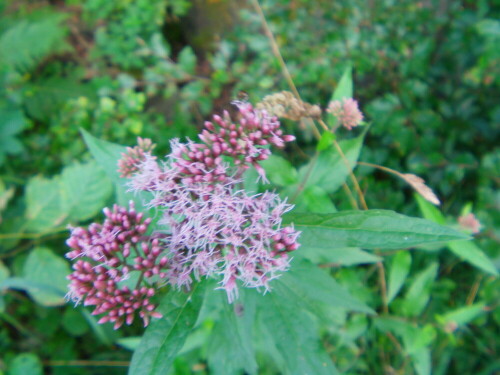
<point>116,265</point>
<point>134,156</point>
<point>346,111</point>
<point>242,141</point>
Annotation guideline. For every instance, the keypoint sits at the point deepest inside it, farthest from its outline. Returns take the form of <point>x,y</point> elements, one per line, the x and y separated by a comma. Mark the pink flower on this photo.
<point>470,222</point>
<point>346,111</point>
<point>108,255</point>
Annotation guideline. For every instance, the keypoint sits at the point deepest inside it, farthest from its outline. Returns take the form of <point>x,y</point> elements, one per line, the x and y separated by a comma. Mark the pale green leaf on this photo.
<point>419,292</point>
<point>347,256</point>
<point>463,315</point>
<point>46,268</point>
<point>315,199</point>
<point>279,171</point>
<point>344,88</point>
<point>328,170</point>
<point>468,251</point>
<point>43,205</point>
<point>106,154</point>
<point>85,188</point>
<point>400,267</point>
<point>472,254</point>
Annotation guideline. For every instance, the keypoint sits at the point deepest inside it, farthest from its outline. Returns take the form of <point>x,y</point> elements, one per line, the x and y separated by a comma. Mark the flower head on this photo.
<point>346,111</point>
<point>109,255</point>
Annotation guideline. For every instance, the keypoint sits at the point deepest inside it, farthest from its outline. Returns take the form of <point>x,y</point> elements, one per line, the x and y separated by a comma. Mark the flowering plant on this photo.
<point>192,226</point>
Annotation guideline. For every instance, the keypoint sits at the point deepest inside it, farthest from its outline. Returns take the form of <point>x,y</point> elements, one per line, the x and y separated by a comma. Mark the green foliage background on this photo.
<point>427,77</point>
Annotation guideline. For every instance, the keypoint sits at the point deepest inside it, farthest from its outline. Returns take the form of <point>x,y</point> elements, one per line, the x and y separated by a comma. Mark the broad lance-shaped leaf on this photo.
<point>230,347</point>
<point>370,229</point>
<point>165,337</point>
<point>328,170</point>
<point>400,267</point>
<point>293,333</point>
<point>313,287</point>
<point>468,251</point>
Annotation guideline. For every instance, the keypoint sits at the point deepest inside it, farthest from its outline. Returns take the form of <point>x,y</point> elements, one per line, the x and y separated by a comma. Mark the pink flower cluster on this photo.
<point>346,111</point>
<point>208,226</point>
<point>109,255</point>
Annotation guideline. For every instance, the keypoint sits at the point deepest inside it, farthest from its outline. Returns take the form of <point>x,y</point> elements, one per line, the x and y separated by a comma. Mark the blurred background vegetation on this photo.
<point>426,74</point>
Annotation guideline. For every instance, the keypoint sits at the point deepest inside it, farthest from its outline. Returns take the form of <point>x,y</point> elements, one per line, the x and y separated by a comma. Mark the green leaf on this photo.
<point>315,199</point>
<point>467,251</point>
<point>74,322</point>
<point>187,60</point>
<point>79,193</point>
<point>85,188</point>
<point>326,141</point>
<point>472,254</point>
<point>46,96</point>
<point>106,154</point>
<point>4,274</point>
<point>24,364</point>
<point>313,287</point>
<point>422,361</point>
<point>43,205</point>
<point>400,267</point>
<point>463,315</point>
<point>230,348</point>
<point>345,87</point>
<point>294,333</point>
<point>328,170</point>
<point>17,49</point>
<point>12,122</point>
<point>419,292</point>
<point>130,343</point>
<point>347,256</point>
<point>46,268</point>
<point>165,337</point>
<point>370,229</point>
<point>429,211</point>
<point>279,171</point>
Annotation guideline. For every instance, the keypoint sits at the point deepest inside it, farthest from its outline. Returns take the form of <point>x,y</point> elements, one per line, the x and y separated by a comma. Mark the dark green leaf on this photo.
<point>371,229</point>
<point>312,286</point>
<point>230,348</point>
<point>165,337</point>
<point>24,364</point>
<point>294,333</point>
